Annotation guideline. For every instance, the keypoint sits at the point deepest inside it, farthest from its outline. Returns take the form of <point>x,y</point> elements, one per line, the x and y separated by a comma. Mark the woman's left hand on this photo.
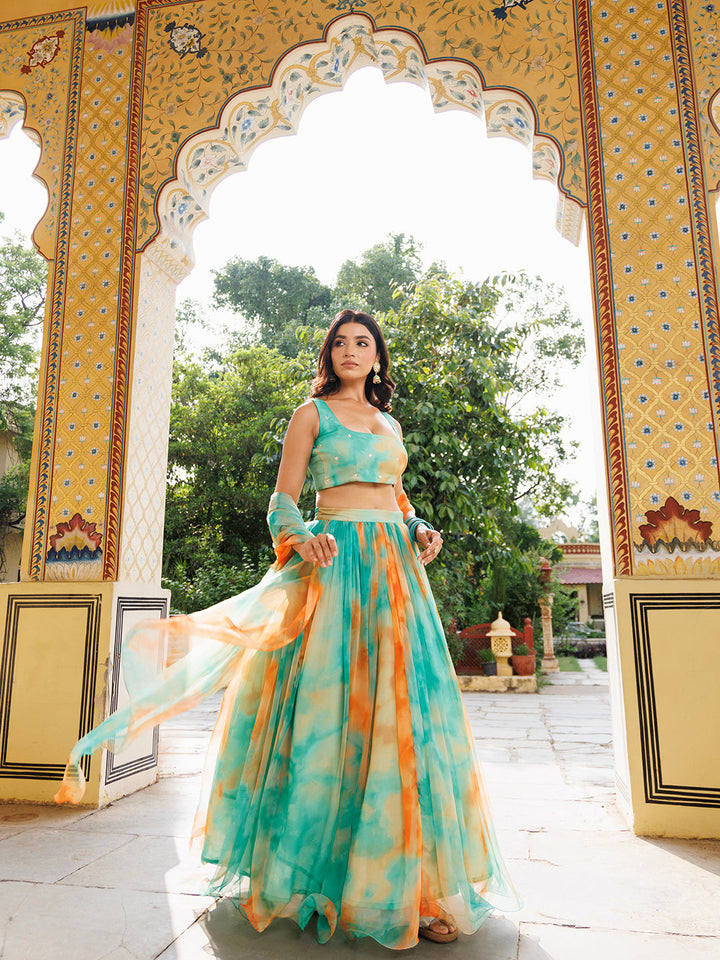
<point>430,543</point>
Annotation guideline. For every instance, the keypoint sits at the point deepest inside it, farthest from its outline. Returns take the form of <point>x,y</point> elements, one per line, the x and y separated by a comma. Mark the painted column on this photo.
<point>653,255</point>
<point>103,403</point>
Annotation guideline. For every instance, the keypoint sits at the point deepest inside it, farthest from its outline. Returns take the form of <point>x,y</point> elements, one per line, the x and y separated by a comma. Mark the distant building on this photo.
<point>580,569</point>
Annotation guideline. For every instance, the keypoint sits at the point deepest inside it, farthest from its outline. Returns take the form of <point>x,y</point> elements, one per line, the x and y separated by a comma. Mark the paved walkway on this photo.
<point>118,884</point>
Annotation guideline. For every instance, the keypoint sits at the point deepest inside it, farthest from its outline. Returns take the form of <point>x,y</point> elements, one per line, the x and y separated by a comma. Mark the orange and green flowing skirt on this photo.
<point>341,778</point>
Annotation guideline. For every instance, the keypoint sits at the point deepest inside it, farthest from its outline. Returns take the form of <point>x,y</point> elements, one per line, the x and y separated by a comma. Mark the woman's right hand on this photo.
<point>320,549</point>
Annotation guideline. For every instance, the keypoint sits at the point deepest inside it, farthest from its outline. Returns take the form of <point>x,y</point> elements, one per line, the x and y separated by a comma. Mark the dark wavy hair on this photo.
<point>326,383</point>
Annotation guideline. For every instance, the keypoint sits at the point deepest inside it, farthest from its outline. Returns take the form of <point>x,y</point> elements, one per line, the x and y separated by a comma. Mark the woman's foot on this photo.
<point>439,931</point>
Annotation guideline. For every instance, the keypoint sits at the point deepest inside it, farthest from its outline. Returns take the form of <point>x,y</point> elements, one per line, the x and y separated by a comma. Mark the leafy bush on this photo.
<point>213,581</point>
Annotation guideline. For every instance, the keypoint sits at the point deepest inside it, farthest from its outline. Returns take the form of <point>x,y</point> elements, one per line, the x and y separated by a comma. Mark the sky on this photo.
<point>371,160</point>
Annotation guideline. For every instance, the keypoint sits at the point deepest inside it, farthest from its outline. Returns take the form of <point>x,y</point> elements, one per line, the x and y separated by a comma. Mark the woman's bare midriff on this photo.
<point>358,496</point>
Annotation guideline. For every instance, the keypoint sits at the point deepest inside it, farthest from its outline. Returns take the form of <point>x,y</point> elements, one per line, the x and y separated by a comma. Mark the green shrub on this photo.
<point>214,580</point>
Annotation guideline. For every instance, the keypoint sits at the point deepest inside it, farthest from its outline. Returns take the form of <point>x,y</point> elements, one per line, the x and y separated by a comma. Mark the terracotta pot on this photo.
<point>524,664</point>
<point>490,669</point>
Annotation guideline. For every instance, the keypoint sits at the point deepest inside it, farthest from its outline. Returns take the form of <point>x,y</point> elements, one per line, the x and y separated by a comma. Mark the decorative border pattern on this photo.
<point>615,464</point>
<point>181,204</point>
<point>126,292</point>
<point>306,72</point>
<point>51,367</point>
<point>656,790</point>
<point>702,231</point>
<point>12,110</point>
<point>120,771</point>
<point>91,603</point>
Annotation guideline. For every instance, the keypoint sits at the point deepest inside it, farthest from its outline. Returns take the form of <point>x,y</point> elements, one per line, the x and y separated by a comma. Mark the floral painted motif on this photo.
<point>676,543</point>
<point>500,13</point>
<point>704,22</point>
<point>12,109</point>
<point>349,6</point>
<point>75,552</point>
<point>532,51</point>
<point>510,119</point>
<point>43,51</point>
<point>185,39</point>
<point>450,89</point>
<point>673,524</point>
<point>210,160</point>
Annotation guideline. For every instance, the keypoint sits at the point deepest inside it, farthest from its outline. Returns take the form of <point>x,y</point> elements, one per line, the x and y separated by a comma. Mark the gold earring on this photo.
<point>376,368</point>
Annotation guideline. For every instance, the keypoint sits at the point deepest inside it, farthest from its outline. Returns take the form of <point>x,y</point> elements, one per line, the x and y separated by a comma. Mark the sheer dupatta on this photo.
<point>266,617</point>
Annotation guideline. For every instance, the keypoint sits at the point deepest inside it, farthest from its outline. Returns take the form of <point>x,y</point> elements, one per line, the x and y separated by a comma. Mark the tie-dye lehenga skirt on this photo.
<point>341,778</point>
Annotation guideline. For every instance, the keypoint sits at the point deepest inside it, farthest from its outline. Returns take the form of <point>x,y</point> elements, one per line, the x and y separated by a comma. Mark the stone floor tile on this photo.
<point>570,853</point>
<point>581,737</point>
<point>492,754</point>
<point>188,744</point>
<point>150,811</point>
<point>498,731</point>
<point>46,856</point>
<point>224,933</point>
<point>57,922</point>
<point>19,817</point>
<point>530,753</point>
<point>548,816</point>
<point>507,723</point>
<point>491,743</point>
<point>592,726</point>
<point>548,942</point>
<point>167,865</point>
<point>514,843</point>
<point>598,777</point>
<point>177,786</point>
<point>615,880</point>
<point>180,765</point>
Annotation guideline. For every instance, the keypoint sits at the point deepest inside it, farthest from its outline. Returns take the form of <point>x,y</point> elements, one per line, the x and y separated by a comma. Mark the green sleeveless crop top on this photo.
<point>342,456</point>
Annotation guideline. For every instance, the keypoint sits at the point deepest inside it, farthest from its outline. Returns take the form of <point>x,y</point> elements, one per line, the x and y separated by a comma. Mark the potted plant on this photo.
<point>489,663</point>
<point>523,661</point>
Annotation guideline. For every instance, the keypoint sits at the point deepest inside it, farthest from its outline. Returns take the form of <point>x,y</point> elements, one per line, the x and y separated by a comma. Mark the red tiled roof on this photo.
<point>580,575</point>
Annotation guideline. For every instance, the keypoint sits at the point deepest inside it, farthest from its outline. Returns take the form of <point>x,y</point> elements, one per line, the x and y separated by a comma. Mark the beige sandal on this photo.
<point>427,932</point>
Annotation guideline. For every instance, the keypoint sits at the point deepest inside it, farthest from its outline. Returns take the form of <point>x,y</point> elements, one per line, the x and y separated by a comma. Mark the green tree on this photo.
<point>275,298</point>
<point>383,270</point>
<point>469,360</point>
<point>23,279</point>
<point>589,526</point>
<point>220,476</point>
<point>473,460</point>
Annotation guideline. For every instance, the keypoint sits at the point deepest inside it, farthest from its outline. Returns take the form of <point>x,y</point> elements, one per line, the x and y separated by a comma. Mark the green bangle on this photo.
<point>413,523</point>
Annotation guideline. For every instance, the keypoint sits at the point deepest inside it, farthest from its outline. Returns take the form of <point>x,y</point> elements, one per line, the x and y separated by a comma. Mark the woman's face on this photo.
<point>353,351</point>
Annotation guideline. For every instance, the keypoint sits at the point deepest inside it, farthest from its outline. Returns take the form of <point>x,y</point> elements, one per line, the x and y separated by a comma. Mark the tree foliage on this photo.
<point>220,477</point>
<point>23,279</point>
<point>383,271</point>
<point>474,364</point>
<point>472,459</point>
<point>275,298</point>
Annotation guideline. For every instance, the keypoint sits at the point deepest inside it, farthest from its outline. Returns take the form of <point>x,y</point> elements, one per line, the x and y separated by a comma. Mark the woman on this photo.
<point>341,778</point>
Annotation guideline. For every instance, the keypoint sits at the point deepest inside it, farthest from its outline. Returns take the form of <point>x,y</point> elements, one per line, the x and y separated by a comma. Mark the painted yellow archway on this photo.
<point>142,108</point>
